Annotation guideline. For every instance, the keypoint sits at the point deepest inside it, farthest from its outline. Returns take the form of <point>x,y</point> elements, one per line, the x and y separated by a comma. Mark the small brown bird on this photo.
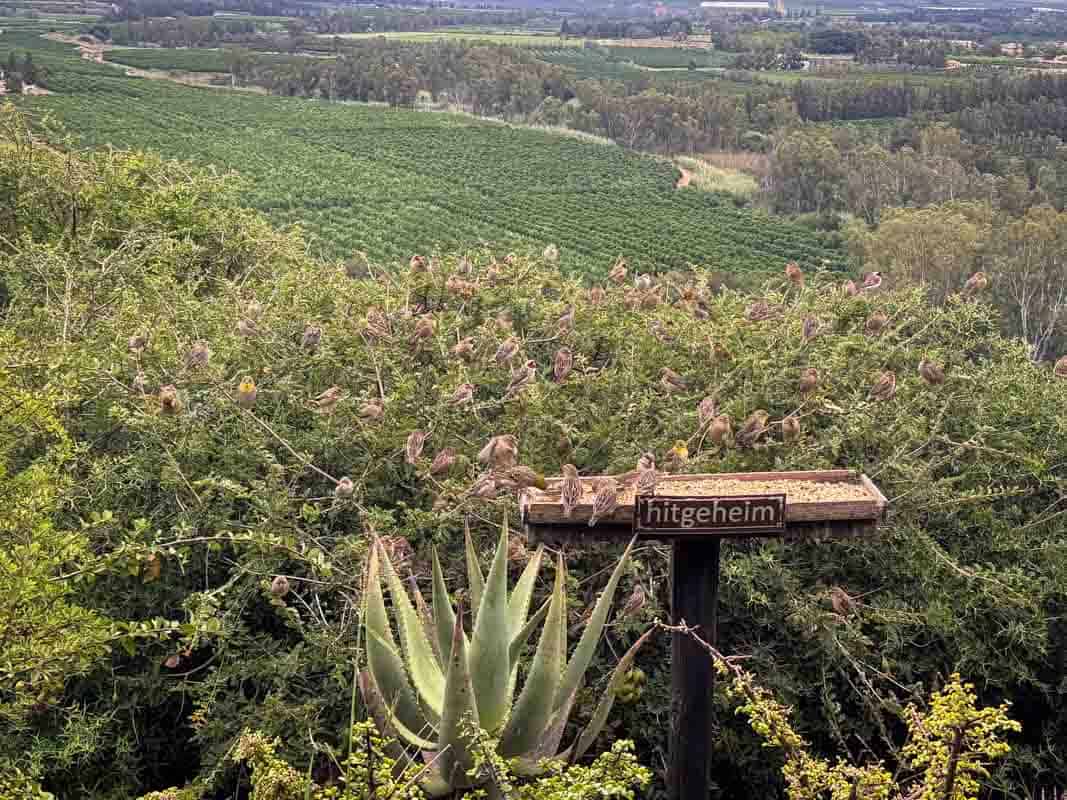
<point>794,274</point>
<point>376,325</point>
<point>504,321</point>
<point>247,392</point>
<point>521,378</point>
<point>464,348</point>
<point>443,461</point>
<point>809,380</point>
<point>932,373</point>
<point>720,353</point>
<point>424,329</point>
<point>372,410</point>
<point>464,266</point>
<point>650,300</point>
<point>418,264</point>
<point>198,356</point>
<point>843,603</point>
<point>707,411</point>
<point>643,283</point>
<point>876,322</point>
<point>463,395</point>
<point>618,272</point>
<point>660,332</point>
<point>721,429</point>
<point>811,328</point>
<point>413,448</point>
<point>975,284</point>
<point>850,289</point>
<point>605,500</point>
<point>635,602</point>
<point>500,452</point>
<point>253,309</point>
<point>247,328</point>
<point>279,587</point>
<point>524,477</point>
<point>140,381</point>
<point>671,382</point>
<point>508,349</point>
<point>1059,369</point>
<point>759,311</point>
<point>570,492</point>
<point>566,321</point>
<point>595,296</point>
<point>701,312</point>
<point>311,337</point>
<point>885,386</point>
<point>563,364</point>
<point>138,343</point>
<point>790,429</point>
<point>646,474</point>
<point>755,426</point>
<point>169,401</point>
<point>872,281</point>
<point>326,402</point>
<point>344,488</point>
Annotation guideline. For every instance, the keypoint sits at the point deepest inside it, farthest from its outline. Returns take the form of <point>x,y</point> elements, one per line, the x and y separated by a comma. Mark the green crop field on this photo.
<point>672,57</point>
<point>181,59</point>
<point>466,35</point>
<point>396,182</point>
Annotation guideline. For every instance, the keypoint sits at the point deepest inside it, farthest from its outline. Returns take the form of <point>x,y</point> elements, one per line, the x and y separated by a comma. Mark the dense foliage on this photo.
<point>188,351</point>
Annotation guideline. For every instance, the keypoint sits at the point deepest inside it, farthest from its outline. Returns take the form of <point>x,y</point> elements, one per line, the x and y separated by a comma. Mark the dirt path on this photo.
<point>686,178</point>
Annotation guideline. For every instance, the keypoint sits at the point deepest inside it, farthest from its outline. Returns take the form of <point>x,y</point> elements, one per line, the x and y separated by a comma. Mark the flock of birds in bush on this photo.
<point>499,456</point>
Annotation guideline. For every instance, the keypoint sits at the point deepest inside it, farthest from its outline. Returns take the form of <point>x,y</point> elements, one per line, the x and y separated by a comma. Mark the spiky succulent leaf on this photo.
<point>583,653</point>
<point>603,708</point>
<point>475,579</point>
<point>425,672</point>
<point>426,617</point>
<point>519,603</point>
<point>532,711</point>
<point>490,640</point>
<point>384,714</point>
<point>460,711</point>
<point>383,658</point>
<point>443,615</point>
<point>523,636</point>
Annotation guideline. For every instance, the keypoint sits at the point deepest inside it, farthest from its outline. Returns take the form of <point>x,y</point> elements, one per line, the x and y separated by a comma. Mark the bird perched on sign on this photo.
<point>720,429</point>
<point>975,284</point>
<point>872,281</point>
<point>500,452</point>
<point>671,382</point>
<point>326,402</point>
<point>463,395</point>
<point>521,378</point>
<point>646,474</point>
<point>507,350</point>
<point>678,455</point>
<point>247,392</point>
<point>932,373</point>
<point>794,274</point>
<point>618,272</point>
<point>311,337</point>
<point>413,448</point>
<point>562,364</point>
<point>1060,368</point>
<point>605,500</point>
<point>755,426</point>
<point>885,386</point>
<point>809,380</point>
<point>570,492</point>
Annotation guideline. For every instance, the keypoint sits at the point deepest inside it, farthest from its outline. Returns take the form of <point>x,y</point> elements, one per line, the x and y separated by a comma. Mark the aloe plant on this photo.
<point>429,690</point>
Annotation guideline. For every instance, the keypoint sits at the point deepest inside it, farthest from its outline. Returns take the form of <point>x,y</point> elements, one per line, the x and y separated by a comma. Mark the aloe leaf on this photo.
<point>427,620</point>
<point>607,700</point>
<point>460,710</point>
<point>523,636</point>
<point>519,603</point>
<point>548,746</point>
<point>443,615</point>
<point>384,717</point>
<point>490,640</point>
<point>475,580</point>
<point>383,658</point>
<point>425,672</point>
<point>532,711</point>
<point>583,653</point>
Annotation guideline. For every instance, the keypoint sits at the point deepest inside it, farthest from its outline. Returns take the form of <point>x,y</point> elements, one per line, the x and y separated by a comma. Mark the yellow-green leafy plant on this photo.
<point>430,688</point>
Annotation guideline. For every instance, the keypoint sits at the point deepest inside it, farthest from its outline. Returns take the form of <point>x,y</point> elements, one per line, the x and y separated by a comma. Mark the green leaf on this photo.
<point>475,581</point>
<point>519,604</point>
<point>532,711</point>
<point>444,616</point>
<point>388,722</point>
<point>583,653</point>
<point>425,672</point>
<point>490,640</point>
<point>459,712</point>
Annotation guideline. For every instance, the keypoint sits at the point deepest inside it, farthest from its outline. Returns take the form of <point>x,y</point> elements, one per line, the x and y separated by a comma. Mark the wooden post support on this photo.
<point>694,600</point>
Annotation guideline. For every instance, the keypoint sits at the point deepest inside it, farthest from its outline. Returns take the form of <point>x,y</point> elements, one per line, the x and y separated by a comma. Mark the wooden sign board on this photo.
<point>708,516</point>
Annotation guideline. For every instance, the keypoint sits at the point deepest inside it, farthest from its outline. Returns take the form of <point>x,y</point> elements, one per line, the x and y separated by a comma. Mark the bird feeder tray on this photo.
<point>814,504</point>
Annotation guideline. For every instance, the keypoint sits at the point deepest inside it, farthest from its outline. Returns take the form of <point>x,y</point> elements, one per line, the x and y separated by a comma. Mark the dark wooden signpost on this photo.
<point>695,515</point>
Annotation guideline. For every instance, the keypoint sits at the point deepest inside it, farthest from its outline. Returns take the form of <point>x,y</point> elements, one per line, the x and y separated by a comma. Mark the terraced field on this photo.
<point>397,182</point>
